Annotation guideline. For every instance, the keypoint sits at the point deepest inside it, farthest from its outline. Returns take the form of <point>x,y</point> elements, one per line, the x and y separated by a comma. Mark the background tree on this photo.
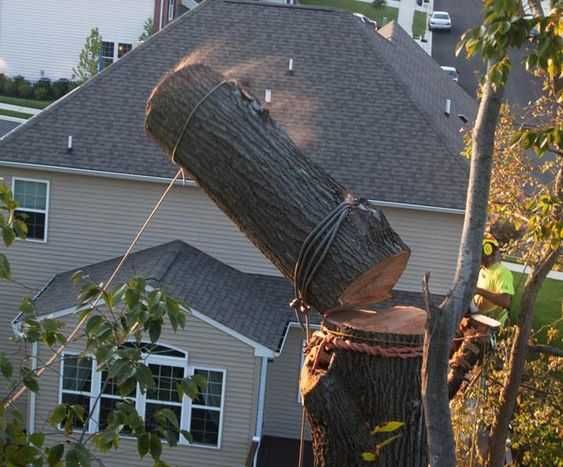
<point>89,61</point>
<point>148,29</point>
<point>502,29</point>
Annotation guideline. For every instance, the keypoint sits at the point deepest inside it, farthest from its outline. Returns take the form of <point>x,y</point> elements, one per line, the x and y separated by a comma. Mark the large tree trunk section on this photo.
<point>253,171</point>
<point>250,167</point>
<point>350,386</point>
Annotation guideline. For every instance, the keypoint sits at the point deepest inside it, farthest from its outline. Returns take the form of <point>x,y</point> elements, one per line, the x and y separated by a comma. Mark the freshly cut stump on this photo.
<point>252,170</point>
<point>348,393</point>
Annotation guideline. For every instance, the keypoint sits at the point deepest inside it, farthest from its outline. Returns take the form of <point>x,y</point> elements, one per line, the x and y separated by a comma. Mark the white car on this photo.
<point>452,72</point>
<point>440,20</point>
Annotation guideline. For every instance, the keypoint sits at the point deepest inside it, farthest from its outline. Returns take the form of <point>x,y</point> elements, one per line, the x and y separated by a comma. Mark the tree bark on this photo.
<point>348,393</point>
<point>440,332</point>
<point>251,169</point>
<point>518,356</point>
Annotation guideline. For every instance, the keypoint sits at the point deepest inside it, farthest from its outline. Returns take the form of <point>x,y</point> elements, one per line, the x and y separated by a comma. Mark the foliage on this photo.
<point>388,427</point>
<point>537,425</point>
<point>88,64</point>
<point>148,29</point>
<point>132,311</point>
<point>378,3</point>
<point>42,89</point>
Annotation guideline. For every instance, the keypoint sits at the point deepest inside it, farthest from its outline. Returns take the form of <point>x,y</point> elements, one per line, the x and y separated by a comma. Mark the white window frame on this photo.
<point>140,398</point>
<point>39,211</point>
<point>221,409</point>
<point>171,9</point>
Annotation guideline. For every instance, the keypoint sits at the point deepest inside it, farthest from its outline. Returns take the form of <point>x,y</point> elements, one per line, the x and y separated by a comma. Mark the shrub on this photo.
<point>60,88</point>
<point>23,88</point>
<point>9,88</point>
<point>42,89</point>
<point>378,3</point>
<point>3,79</point>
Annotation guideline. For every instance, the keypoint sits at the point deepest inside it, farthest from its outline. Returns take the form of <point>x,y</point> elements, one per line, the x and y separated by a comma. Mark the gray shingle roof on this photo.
<point>359,103</point>
<point>6,126</point>
<point>254,305</point>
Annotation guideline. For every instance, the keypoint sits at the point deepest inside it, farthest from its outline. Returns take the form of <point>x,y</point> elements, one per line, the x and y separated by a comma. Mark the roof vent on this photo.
<point>448,107</point>
<point>268,96</point>
<point>69,144</point>
<point>463,118</point>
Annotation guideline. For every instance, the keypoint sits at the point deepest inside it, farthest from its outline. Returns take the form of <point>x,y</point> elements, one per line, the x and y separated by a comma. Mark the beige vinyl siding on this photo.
<point>282,410</point>
<point>206,347</point>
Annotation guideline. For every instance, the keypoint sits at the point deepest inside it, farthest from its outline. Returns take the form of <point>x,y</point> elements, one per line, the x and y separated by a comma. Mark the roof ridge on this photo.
<point>405,89</point>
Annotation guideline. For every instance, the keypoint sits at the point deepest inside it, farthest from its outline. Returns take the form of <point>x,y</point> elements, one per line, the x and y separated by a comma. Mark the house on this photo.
<point>369,106</point>
<point>43,39</point>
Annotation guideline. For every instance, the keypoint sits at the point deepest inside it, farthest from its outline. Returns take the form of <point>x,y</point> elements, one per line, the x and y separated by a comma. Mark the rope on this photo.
<point>72,336</point>
<point>333,342</point>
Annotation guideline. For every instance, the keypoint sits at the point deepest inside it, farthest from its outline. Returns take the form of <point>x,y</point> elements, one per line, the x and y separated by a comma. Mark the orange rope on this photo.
<point>332,342</point>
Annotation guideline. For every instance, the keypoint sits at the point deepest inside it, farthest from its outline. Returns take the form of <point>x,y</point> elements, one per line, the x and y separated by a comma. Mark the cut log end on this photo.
<point>399,319</point>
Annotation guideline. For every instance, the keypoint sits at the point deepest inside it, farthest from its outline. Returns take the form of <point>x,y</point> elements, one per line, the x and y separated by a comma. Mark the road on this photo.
<point>521,87</point>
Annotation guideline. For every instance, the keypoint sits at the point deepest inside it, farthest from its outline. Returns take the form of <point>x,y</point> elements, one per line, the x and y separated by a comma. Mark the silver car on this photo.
<point>440,20</point>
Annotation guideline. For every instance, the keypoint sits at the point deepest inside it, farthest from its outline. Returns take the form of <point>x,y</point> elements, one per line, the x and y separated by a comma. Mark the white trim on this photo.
<point>293,324</point>
<point>39,211</point>
<point>171,17</point>
<point>417,207</point>
<point>33,396</point>
<point>261,397</point>
<point>221,409</point>
<point>556,275</point>
<point>94,173</point>
<point>259,349</point>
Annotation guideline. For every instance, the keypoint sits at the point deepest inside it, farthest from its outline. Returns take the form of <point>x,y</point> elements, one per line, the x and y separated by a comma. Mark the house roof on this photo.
<point>253,305</point>
<point>374,124</point>
<point>6,126</point>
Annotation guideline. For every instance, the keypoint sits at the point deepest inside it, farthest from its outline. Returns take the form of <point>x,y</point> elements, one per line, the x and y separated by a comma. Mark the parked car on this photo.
<point>452,72</point>
<point>440,20</point>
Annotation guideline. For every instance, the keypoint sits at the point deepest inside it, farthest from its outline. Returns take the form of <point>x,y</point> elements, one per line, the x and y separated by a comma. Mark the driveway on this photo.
<point>521,87</point>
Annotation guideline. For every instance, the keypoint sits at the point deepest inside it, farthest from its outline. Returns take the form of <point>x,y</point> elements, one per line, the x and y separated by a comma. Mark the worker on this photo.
<point>495,286</point>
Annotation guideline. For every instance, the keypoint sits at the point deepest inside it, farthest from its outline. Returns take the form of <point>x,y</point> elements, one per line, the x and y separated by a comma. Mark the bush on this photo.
<point>42,89</point>
<point>378,3</point>
<point>3,79</point>
<point>60,88</point>
<point>23,88</point>
<point>9,88</point>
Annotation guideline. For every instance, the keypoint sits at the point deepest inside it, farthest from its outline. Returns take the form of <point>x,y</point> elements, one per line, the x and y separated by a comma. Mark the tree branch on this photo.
<point>545,349</point>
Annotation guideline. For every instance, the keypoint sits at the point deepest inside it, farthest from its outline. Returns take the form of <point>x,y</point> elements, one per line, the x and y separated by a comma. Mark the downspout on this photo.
<point>260,409</point>
<point>161,14</point>
<point>32,396</point>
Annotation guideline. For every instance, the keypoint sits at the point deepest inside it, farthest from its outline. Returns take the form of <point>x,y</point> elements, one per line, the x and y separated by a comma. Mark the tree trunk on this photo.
<point>439,334</point>
<point>351,384</point>
<point>251,169</point>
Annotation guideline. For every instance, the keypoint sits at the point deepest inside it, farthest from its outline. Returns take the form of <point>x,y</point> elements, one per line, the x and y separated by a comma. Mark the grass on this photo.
<point>548,305</point>
<point>34,104</point>
<point>11,113</point>
<point>382,14</point>
<point>419,24</point>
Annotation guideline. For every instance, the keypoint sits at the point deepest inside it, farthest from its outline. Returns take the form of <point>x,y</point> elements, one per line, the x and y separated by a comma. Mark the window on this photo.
<point>171,8</point>
<point>32,197</point>
<point>122,49</point>
<point>80,383</point>
<point>206,414</point>
<point>76,383</point>
<point>107,54</point>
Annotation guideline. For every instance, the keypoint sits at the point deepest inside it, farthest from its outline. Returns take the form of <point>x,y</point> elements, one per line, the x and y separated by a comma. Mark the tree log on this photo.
<point>348,393</point>
<point>253,171</point>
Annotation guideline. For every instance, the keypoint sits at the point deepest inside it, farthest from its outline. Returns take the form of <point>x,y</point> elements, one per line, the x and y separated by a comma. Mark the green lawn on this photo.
<point>24,102</point>
<point>419,24</point>
<point>11,113</point>
<point>548,305</point>
<point>382,15</point>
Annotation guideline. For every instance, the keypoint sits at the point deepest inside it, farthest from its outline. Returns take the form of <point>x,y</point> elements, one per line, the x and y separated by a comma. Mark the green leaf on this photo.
<point>387,427</point>
<point>143,375</point>
<point>155,446</point>
<point>155,328</point>
<point>4,267</point>
<point>5,366</point>
<point>57,415</point>
<point>387,441</point>
<point>8,234</point>
<point>29,380</point>
<point>37,439</point>
<point>143,444</point>
<point>55,454</point>
<point>93,324</point>
<point>369,456</point>
<point>167,415</point>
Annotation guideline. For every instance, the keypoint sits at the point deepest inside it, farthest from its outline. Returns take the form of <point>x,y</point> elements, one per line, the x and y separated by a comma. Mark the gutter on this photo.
<point>33,396</point>
<point>257,438</point>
